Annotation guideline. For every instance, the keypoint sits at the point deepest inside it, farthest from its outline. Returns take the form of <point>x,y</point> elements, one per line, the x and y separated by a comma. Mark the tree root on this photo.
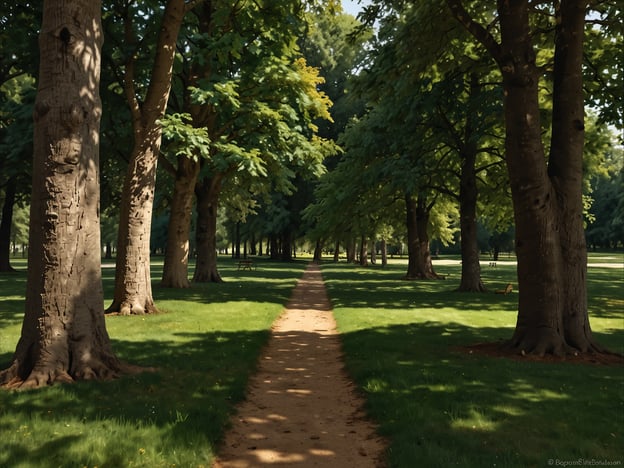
<point>42,377</point>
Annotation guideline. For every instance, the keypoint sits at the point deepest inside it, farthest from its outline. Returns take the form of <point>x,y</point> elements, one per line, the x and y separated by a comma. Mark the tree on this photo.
<point>546,191</point>
<point>133,288</point>
<point>246,84</point>
<point>64,336</point>
<point>19,24</point>
<point>606,220</point>
<point>16,114</point>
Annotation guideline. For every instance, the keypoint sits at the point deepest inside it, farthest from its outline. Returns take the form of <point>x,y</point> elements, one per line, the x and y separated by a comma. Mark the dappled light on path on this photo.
<point>301,409</point>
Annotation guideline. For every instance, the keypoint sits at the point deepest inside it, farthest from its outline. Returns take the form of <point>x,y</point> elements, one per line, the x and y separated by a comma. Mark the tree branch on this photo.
<point>477,30</point>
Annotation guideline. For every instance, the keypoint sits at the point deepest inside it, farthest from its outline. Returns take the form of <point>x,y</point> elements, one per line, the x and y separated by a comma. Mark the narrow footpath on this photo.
<point>301,408</point>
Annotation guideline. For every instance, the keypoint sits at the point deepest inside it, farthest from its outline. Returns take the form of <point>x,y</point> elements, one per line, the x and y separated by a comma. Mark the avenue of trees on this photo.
<point>272,123</point>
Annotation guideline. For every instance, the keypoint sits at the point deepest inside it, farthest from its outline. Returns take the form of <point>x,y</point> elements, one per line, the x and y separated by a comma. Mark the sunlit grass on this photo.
<point>203,345</point>
<point>405,345</point>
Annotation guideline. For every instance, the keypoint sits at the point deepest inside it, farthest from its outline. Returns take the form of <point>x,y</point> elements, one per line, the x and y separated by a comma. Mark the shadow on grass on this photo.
<point>385,288</point>
<point>442,406</point>
<point>180,410</point>
<point>12,289</point>
<point>269,283</point>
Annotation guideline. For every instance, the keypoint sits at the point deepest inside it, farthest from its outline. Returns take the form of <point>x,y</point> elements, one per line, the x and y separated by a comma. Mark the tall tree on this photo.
<point>133,288</point>
<point>546,192</point>
<point>19,26</point>
<point>256,98</point>
<point>64,334</point>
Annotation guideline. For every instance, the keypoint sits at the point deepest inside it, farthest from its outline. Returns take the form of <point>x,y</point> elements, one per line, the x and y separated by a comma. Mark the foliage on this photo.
<point>186,139</point>
<point>17,96</point>
<point>604,65</point>
<point>606,226</point>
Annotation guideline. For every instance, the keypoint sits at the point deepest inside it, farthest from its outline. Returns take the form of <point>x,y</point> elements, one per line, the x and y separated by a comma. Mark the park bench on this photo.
<point>246,264</point>
<point>507,290</point>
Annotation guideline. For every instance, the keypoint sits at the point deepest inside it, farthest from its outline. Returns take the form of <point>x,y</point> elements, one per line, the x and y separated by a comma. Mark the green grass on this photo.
<point>437,405</point>
<point>441,406</point>
<point>204,346</point>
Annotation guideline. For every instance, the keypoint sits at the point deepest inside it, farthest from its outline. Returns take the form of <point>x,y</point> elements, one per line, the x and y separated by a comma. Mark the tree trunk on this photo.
<point>64,335</point>
<point>412,238</point>
<point>286,255</point>
<point>237,241</point>
<point>468,194</point>
<point>175,269</point>
<point>424,248</point>
<point>471,269</point>
<point>274,250</point>
<point>542,288</point>
<point>550,245</point>
<point>5,226</point>
<point>350,249</point>
<point>363,251</point>
<point>133,287</point>
<point>419,264</point>
<point>566,173</point>
<point>252,245</point>
<point>318,252</point>
<point>496,253</point>
<point>337,252</point>
<point>384,252</point>
<point>207,192</point>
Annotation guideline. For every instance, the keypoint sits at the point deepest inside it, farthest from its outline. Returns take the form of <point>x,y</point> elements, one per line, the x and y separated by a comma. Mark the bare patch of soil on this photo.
<point>497,350</point>
<point>302,410</point>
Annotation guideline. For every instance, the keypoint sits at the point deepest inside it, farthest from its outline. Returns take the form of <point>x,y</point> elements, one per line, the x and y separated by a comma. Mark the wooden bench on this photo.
<point>246,265</point>
<point>507,290</point>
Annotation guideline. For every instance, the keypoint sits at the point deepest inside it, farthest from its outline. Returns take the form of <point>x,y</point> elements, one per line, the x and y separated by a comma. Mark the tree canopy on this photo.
<point>293,121</point>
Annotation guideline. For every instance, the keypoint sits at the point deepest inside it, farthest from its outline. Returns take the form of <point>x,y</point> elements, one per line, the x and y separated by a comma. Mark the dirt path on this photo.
<point>301,408</point>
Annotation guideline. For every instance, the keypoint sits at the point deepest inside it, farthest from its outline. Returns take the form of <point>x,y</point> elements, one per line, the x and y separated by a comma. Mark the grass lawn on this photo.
<point>204,345</point>
<point>441,406</point>
<point>437,404</point>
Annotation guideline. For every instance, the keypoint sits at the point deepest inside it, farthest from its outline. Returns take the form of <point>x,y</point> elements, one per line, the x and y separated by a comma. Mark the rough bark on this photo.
<point>539,324</point>
<point>175,268</point>
<point>64,335</point>
<point>550,245</point>
<point>552,316</point>
<point>419,264</point>
<point>471,269</point>
<point>133,288</point>
<point>5,226</point>
<point>566,173</point>
<point>207,193</point>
